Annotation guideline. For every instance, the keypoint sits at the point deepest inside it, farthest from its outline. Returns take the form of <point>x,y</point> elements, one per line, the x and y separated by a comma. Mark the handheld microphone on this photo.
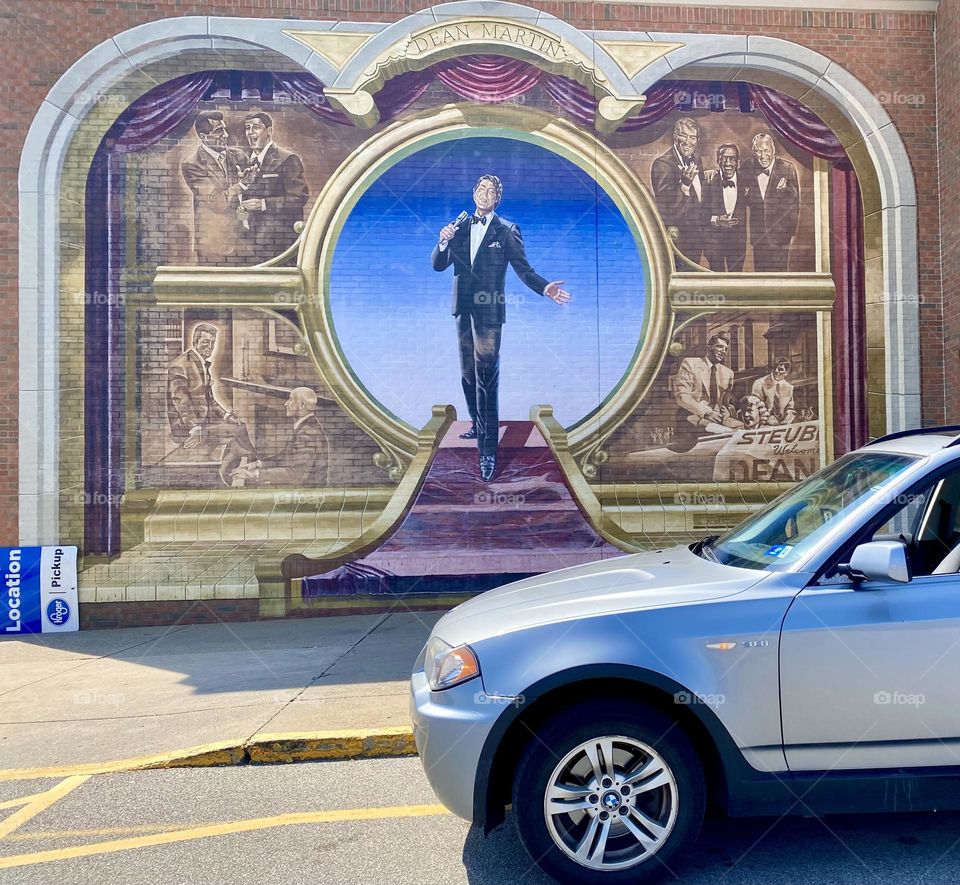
<point>461,218</point>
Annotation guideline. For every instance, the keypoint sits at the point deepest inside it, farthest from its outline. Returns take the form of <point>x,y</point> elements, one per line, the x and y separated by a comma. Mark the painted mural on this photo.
<point>292,328</point>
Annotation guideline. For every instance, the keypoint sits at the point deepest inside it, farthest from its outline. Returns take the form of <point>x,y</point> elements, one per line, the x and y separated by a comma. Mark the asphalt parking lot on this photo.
<point>377,821</point>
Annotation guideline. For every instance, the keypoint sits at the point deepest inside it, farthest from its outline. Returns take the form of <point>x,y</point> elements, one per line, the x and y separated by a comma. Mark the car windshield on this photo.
<point>788,528</point>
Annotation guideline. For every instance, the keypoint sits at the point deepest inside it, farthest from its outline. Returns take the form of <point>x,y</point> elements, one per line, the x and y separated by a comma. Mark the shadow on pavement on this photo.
<point>107,695</point>
<point>231,657</point>
<point>881,849</point>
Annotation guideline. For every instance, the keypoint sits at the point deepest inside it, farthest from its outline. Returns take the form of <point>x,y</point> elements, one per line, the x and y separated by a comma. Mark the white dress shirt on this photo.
<point>696,178</point>
<point>258,159</point>
<point>729,195</point>
<point>763,179</point>
<point>477,232</point>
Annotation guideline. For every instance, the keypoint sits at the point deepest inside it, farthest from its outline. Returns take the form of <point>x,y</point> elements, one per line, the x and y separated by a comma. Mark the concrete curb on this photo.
<point>269,749</point>
<point>365,743</point>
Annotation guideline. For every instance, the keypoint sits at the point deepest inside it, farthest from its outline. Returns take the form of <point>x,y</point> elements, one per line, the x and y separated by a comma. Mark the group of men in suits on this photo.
<point>245,202</point>
<point>711,211</point>
<point>198,421</point>
<point>703,389</point>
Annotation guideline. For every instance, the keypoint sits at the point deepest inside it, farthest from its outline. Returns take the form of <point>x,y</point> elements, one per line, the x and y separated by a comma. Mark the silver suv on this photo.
<point>808,661</point>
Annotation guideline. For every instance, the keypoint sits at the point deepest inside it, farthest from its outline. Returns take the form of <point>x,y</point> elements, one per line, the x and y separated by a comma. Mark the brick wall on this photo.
<point>894,54</point>
<point>948,97</point>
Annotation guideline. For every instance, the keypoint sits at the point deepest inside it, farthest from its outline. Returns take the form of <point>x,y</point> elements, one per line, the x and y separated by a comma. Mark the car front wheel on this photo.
<point>608,792</point>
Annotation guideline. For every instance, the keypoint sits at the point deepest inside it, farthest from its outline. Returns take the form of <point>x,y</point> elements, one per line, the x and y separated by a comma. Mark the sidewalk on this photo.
<point>108,695</point>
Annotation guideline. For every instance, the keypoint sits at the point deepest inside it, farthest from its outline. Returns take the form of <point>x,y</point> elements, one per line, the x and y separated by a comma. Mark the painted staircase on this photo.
<point>464,536</point>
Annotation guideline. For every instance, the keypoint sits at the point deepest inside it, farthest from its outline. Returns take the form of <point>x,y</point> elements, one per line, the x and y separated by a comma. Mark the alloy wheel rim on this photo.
<point>611,803</point>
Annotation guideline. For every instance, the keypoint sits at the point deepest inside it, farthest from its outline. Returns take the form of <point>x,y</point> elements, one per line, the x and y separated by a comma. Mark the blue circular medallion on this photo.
<point>58,612</point>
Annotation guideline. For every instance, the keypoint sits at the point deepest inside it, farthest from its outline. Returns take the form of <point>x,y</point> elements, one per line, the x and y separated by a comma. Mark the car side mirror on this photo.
<point>879,561</point>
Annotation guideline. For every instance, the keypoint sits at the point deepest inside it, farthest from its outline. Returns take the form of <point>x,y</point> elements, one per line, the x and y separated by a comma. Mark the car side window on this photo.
<point>937,535</point>
<point>927,521</point>
<point>902,525</point>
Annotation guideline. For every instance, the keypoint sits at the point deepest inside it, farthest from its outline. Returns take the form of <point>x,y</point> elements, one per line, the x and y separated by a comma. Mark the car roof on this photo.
<point>922,442</point>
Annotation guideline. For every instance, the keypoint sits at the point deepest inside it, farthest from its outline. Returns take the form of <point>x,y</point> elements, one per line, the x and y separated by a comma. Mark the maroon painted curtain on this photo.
<point>395,97</point>
<point>849,312</point>
<point>797,124</point>
<point>580,104</point>
<point>158,113</point>
<point>488,78</point>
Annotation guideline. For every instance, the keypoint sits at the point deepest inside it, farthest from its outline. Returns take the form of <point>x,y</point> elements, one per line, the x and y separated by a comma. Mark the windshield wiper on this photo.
<point>702,548</point>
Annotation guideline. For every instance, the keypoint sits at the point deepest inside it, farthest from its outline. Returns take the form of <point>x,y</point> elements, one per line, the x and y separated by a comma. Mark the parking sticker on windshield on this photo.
<point>779,550</point>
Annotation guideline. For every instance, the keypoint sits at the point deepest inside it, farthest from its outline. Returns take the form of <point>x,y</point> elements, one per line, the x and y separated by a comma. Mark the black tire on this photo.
<point>583,723</point>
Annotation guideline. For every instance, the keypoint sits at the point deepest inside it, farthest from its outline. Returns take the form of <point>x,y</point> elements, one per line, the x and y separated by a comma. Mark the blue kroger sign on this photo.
<point>58,612</point>
<point>39,592</point>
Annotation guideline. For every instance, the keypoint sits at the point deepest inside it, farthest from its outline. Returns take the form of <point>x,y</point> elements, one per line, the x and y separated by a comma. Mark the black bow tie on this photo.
<point>480,219</point>
<point>728,182</point>
<point>764,172</point>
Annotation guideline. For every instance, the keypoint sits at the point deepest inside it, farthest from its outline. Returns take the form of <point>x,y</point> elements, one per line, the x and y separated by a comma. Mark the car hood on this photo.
<point>656,579</point>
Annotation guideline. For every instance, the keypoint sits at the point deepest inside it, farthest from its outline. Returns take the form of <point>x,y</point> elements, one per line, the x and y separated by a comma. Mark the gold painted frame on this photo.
<point>405,137</point>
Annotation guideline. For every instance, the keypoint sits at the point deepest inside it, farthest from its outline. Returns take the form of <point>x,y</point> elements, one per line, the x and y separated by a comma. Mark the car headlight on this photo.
<point>446,666</point>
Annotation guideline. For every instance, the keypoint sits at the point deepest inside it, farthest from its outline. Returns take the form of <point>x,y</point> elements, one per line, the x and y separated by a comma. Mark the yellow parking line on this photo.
<point>40,803</point>
<point>218,753</point>
<point>224,829</point>
<point>22,800</point>
<point>46,835</point>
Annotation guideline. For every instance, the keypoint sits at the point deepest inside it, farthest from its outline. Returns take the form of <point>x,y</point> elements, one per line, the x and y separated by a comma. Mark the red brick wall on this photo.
<point>892,53</point>
<point>948,96</point>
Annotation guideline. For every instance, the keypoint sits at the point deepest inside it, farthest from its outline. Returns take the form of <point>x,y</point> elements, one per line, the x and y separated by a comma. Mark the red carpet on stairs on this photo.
<point>462,535</point>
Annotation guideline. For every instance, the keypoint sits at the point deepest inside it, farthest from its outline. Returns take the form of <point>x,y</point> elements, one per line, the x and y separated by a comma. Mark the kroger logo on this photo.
<point>58,612</point>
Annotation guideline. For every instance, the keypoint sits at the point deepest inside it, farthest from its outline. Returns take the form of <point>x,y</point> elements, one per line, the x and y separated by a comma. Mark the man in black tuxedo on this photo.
<point>479,250</point>
<point>213,174</point>
<point>725,214</point>
<point>774,201</point>
<point>272,202</point>
<point>678,184</point>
